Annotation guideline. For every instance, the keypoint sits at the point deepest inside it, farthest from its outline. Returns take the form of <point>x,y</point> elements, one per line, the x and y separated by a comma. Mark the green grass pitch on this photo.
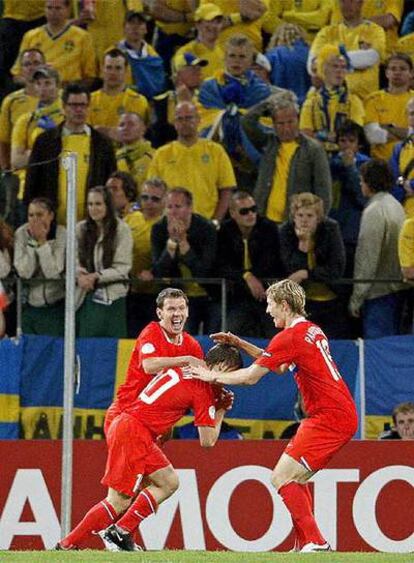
<point>203,557</point>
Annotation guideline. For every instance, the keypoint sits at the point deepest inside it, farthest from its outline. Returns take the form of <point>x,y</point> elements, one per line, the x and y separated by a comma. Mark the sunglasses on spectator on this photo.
<point>246,210</point>
<point>147,197</point>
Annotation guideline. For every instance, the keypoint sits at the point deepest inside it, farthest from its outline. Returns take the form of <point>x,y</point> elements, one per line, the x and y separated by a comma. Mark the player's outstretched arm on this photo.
<point>244,376</point>
<point>155,364</point>
<point>233,340</point>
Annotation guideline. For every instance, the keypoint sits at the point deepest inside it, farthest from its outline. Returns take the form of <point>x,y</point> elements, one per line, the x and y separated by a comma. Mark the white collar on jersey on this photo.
<point>170,340</point>
<point>297,321</point>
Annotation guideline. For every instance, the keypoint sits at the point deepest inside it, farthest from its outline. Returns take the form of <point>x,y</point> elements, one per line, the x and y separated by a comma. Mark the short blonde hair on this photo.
<point>306,199</point>
<point>291,292</point>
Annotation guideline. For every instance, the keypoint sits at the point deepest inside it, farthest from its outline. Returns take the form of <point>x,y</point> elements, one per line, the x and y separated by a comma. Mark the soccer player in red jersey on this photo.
<point>133,451</point>
<point>160,345</point>
<point>301,348</point>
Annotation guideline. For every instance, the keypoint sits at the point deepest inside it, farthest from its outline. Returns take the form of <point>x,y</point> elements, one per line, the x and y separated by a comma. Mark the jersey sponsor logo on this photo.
<point>212,412</point>
<point>148,348</point>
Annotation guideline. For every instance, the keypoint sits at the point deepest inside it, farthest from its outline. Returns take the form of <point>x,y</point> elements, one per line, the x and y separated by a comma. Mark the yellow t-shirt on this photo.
<point>386,109</point>
<point>312,114</point>
<point>179,28</point>
<point>312,15</point>
<point>27,128</point>
<point>253,29</point>
<point>215,56</point>
<point>377,8</point>
<point>70,52</point>
<point>25,11</point>
<point>406,244</point>
<point>105,110</point>
<point>276,204</point>
<point>135,159</point>
<point>13,106</point>
<point>406,156</point>
<point>204,168</point>
<point>360,82</point>
<point>79,144</point>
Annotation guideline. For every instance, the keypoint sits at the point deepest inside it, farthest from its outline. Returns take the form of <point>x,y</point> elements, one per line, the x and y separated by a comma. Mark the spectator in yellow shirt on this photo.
<point>364,42</point>
<point>326,108</point>
<point>135,153</point>
<point>47,115</point>
<point>242,16</point>
<point>19,102</point>
<point>200,165</point>
<point>208,20</point>
<point>385,13</point>
<point>140,218</point>
<point>66,47</point>
<point>17,18</point>
<point>115,98</point>
<point>386,117</point>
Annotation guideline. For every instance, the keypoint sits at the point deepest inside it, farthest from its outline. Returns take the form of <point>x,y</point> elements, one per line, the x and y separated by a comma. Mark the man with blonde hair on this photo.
<point>301,348</point>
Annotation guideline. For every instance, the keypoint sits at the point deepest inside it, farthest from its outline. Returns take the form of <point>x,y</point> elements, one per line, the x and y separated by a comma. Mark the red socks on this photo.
<point>143,506</point>
<point>298,501</point>
<point>98,518</point>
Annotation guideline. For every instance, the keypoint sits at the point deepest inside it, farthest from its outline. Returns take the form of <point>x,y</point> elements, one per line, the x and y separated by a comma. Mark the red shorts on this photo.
<point>315,443</point>
<point>132,454</point>
<point>113,411</point>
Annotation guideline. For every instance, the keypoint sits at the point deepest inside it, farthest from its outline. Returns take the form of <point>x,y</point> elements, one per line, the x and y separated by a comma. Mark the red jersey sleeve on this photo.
<point>279,351</point>
<point>203,404</point>
<point>150,343</point>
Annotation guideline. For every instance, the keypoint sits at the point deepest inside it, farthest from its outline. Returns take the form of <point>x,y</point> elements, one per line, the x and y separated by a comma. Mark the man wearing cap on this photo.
<point>187,78</point>
<point>146,68</point>
<point>19,102</point>
<point>200,165</point>
<point>115,98</point>
<point>326,108</point>
<point>66,47</point>
<point>208,20</point>
<point>47,115</point>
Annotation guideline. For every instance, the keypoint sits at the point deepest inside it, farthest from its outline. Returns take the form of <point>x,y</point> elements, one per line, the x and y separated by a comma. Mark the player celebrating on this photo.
<point>160,345</point>
<point>303,349</point>
<point>133,452</point>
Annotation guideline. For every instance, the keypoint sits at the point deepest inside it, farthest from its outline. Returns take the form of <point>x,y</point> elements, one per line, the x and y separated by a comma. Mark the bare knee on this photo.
<point>118,501</point>
<point>278,480</point>
<point>172,483</point>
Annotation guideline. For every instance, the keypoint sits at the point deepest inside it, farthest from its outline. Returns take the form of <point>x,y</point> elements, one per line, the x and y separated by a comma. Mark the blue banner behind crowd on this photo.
<point>31,385</point>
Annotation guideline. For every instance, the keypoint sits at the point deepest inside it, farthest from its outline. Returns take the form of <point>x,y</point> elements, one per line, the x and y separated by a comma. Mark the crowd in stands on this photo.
<point>248,140</point>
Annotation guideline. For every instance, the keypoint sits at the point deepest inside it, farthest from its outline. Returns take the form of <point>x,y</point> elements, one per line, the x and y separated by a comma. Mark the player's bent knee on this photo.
<point>118,501</point>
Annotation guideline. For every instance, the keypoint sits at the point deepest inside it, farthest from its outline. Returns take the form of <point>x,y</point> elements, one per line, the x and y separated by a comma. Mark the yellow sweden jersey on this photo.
<point>14,105</point>
<point>204,168</point>
<point>386,109</point>
<point>406,244</point>
<point>215,57</point>
<point>105,110</point>
<point>70,52</point>
<point>360,82</point>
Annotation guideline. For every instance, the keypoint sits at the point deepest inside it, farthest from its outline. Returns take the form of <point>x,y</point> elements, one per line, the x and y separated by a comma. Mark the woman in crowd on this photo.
<point>104,262</point>
<point>39,252</point>
<point>313,254</point>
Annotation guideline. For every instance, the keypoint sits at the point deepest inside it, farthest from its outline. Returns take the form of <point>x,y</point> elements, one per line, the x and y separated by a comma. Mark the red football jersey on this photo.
<point>168,397</point>
<point>305,348</point>
<point>152,342</point>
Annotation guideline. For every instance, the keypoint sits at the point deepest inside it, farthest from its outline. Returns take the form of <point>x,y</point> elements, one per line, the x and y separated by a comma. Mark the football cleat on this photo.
<point>313,547</point>
<point>116,539</point>
<point>60,547</point>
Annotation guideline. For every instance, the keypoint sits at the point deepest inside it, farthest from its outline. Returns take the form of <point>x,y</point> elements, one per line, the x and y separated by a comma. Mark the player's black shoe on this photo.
<point>116,539</point>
